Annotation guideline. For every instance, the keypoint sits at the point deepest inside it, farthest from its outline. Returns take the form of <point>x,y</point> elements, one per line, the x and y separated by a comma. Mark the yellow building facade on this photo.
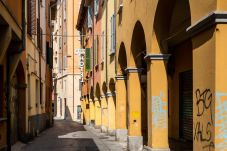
<point>174,86</point>
<point>168,91</point>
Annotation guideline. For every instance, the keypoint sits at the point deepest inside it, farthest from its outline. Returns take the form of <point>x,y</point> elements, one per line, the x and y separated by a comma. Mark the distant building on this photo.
<point>66,61</point>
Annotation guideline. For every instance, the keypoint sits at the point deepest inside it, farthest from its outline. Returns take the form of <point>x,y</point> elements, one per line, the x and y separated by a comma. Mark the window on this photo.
<point>65,62</point>
<point>96,7</point>
<point>37,92</point>
<point>41,93</point>
<point>60,42</point>
<point>96,51</point>
<point>31,17</point>
<point>112,51</point>
<point>87,59</point>
<point>89,17</point>
<point>29,92</point>
<point>103,47</point>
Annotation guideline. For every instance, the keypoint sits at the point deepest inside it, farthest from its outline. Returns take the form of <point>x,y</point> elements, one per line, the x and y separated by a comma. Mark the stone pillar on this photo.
<point>135,139</point>
<point>209,83</point>
<point>157,102</point>
<point>111,113</point>
<point>98,113</point>
<point>104,109</point>
<point>92,112</point>
<point>121,105</point>
<point>87,107</point>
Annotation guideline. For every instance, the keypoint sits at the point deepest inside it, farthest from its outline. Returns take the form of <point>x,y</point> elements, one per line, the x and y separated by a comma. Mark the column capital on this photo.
<point>157,57</point>
<point>133,70</point>
<point>120,77</point>
<point>108,94</point>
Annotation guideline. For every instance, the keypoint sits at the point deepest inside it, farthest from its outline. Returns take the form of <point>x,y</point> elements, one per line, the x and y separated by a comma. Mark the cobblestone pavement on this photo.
<point>71,136</point>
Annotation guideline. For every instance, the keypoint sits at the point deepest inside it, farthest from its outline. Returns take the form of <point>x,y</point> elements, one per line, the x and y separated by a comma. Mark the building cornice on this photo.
<point>133,70</point>
<point>216,17</point>
<point>157,57</point>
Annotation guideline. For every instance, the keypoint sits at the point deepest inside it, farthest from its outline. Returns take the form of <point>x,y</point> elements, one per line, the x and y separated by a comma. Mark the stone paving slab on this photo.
<point>72,136</point>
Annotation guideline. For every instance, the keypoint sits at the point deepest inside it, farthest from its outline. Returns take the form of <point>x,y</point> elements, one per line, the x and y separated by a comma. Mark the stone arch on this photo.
<point>138,64</point>
<point>172,18</point>
<point>138,46</point>
<point>122,60</point>
<point>20,103</point>
<point>97,90</point>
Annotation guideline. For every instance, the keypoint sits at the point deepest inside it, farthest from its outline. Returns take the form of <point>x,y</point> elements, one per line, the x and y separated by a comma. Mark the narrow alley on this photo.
<point>71,136</point>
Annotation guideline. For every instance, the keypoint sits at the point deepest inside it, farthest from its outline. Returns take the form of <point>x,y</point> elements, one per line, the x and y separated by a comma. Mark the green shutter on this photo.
<point>87,59</point>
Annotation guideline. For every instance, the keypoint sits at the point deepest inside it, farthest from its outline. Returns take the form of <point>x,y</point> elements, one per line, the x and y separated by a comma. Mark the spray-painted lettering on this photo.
<point>159,113</point>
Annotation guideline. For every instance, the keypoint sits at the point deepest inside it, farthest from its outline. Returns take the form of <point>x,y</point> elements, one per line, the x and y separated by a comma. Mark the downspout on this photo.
<point>107,44</point>
<point>8,104</point>
<point>73,66</point>
<point>40,68</point>
<point>93,42</point>
<point>115,40</point>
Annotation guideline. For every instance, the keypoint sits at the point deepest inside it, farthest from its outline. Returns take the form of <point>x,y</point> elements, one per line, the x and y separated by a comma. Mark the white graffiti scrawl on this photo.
<point>159,113</point>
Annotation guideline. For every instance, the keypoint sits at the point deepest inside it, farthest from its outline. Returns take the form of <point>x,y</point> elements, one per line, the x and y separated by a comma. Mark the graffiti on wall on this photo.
<point>203,128</point>
<point>221,121</point>
<point>159,111</point>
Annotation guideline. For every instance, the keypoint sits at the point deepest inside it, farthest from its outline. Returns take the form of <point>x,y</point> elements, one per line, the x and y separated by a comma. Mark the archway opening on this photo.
<point>138,50</point>
<point>122,65</point>
<point>18,104</point>
<point>170,24</point>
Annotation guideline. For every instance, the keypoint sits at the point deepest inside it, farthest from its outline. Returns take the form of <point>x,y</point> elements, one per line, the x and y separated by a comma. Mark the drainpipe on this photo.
<point>8,104</point>
<point>115,40</point>
<point>40,64</point>
<point>107,44</point>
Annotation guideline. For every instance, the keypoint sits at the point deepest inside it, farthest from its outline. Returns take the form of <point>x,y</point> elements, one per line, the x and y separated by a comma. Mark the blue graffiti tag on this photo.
<point>221,119</point>
<point>159,115</point>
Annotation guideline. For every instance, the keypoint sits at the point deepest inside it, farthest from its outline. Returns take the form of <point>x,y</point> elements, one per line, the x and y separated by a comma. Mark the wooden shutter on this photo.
<point>89,17</point>
<point>87,59</point>
<point>96,7</point>
<point>31,17</point>
<point>112,35</point>
<point>103,44</point>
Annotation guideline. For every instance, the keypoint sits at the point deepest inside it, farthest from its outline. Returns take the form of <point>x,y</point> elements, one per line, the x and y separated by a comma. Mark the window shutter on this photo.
<point>95,52</point>
<point>103,42</point>
<point>96,7</point>
<point>89,17</point>
<point>87,59</point>
<point>31,17</point>
<point>112,35</point>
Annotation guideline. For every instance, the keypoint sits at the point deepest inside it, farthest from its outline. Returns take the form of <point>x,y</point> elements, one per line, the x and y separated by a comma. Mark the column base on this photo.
<point>146,148</point>
<point>135,143</point>
<point>121,135</point>
<point>111,132</point>
<point>97,126</point>
<point>103,129</point>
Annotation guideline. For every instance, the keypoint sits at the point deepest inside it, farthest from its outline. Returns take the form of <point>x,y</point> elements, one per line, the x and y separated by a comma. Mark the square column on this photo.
<point>209,82</point>
<point>111,113</point>
<point>157,102</point>
<point>104,110</point>
<point>92,112</point>
<point>121,111</point>
<point>135,138</point>
<point>97,113</point>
